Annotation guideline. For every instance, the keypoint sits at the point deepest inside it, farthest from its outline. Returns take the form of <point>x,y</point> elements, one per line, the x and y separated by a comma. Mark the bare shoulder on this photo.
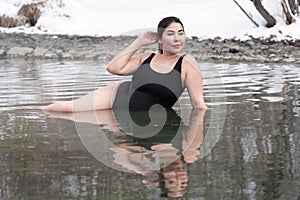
<point>190,62</point>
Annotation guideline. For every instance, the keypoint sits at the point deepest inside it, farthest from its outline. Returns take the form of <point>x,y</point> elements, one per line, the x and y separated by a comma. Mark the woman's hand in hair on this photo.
<point>147,38</point>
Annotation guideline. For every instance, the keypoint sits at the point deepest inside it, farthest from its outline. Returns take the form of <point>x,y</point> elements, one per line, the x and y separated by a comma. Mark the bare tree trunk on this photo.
<point>292,4</point>
<point>297,7</point>
<point>287,11</point>
<point>271,21</point>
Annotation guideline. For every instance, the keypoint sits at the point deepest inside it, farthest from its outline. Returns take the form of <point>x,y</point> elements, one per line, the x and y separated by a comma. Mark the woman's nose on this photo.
<point>175,37</point>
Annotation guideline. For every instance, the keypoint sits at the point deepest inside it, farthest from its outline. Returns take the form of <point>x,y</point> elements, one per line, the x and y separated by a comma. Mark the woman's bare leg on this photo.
<point>99,99</point>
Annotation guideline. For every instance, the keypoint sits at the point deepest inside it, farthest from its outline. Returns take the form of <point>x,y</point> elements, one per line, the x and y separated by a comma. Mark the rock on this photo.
<point>234,49</point>
<point>40,52</point>
<point>67,56</point>
<point>250,43</point>
<point>51,55</point>
<point>2,52</point>
<point>19,51</point>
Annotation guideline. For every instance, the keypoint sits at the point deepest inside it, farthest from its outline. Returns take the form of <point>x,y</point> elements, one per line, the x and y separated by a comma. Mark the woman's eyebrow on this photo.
<point>172,31</point>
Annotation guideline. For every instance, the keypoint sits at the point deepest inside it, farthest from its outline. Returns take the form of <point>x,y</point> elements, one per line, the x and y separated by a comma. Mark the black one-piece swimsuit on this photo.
<point>149,87</point>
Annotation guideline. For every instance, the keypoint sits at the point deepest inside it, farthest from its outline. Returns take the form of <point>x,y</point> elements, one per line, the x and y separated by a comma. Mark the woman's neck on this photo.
<point>170,55</point>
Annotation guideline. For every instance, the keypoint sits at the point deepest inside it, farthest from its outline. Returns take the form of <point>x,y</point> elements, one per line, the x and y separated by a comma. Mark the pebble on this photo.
<point>104,48</point>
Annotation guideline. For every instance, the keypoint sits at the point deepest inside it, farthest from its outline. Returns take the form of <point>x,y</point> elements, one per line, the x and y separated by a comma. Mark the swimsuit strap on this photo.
<point>148,60</point>
<point>179,64</point>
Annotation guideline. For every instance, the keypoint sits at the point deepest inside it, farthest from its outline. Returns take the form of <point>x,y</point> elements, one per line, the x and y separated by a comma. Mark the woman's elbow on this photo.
<point>199,104</point>
<point>200,107</point>
<point>114,71</point>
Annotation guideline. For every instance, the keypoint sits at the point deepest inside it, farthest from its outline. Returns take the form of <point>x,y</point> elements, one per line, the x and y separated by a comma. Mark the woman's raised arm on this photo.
<point>126,62</point>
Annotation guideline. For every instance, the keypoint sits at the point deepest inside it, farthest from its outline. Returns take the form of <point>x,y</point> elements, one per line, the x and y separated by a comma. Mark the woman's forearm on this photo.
<point>120,60</point>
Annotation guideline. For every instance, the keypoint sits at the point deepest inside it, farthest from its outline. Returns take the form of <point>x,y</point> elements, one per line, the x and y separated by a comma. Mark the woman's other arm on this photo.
<point>193,82</point>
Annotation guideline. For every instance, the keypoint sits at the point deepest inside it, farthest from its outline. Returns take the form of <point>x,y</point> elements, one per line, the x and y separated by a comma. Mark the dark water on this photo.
<point>246,146</point>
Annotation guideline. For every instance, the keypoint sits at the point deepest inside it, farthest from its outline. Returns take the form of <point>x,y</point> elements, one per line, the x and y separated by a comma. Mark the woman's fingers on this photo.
<point>149,37</point>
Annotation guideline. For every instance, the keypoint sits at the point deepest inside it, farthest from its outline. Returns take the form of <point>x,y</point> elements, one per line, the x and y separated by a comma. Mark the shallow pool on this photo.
<point>245,146</point>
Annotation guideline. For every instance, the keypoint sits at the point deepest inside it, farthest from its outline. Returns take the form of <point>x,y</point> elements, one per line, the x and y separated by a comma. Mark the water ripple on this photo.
<point>28,84</point>
<point>254,82</point>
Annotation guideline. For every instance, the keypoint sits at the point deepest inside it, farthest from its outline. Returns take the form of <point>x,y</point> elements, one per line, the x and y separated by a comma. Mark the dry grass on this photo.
<point>28,14</point>
<point>9,22</point>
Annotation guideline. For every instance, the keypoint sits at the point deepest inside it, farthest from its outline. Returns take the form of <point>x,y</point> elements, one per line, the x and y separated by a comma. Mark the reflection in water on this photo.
<point>257,155</point>
<point>148,143</point>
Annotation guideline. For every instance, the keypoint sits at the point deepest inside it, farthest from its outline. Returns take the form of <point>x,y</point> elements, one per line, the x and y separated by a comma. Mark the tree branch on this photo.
<point>252,20</point>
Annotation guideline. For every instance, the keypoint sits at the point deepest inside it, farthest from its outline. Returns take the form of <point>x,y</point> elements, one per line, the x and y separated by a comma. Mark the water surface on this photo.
<point>250,147</point>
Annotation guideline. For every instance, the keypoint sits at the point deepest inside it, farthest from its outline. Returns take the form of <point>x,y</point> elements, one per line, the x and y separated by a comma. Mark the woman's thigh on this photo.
<point>99,99</point>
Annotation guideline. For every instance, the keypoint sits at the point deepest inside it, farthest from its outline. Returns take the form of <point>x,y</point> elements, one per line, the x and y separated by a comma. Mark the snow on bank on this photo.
<point>204,19</point>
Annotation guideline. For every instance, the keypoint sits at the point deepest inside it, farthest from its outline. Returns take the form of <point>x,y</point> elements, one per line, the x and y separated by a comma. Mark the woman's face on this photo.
<point>173,38</point>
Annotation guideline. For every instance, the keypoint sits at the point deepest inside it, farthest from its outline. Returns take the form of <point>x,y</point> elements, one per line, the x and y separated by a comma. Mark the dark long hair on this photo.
<point>163,24</point>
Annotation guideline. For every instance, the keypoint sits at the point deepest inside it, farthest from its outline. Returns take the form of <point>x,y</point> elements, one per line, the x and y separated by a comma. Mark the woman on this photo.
<point>157,78</point>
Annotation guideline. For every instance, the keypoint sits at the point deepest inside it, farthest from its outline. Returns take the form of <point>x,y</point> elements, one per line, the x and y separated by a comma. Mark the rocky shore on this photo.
<point>44,46</point>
